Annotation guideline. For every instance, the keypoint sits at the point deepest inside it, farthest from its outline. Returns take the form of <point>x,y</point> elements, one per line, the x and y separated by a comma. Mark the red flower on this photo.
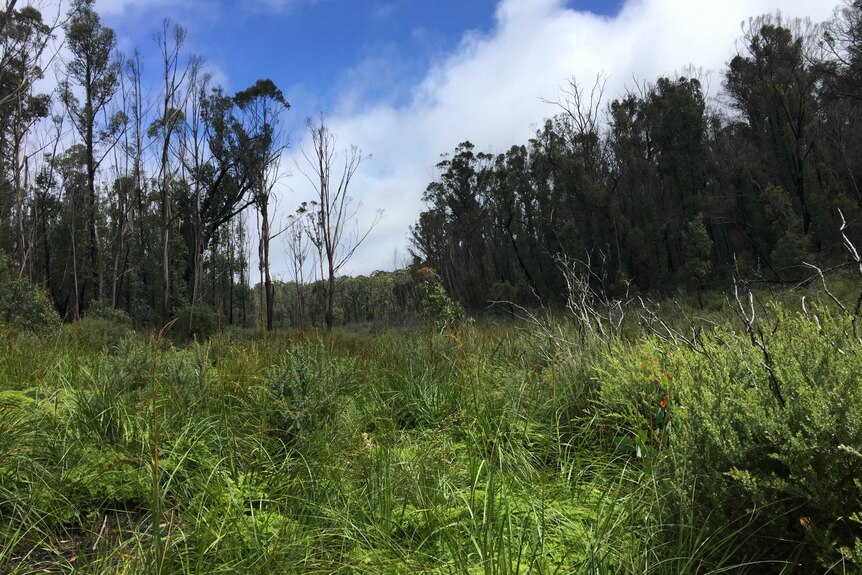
<point>663,403</point>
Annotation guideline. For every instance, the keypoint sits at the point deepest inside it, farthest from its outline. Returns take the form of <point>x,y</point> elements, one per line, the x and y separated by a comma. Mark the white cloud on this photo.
<point>280,6</point>
<point>489,90</point>
<point>383,10</point>
<point>119,7</point>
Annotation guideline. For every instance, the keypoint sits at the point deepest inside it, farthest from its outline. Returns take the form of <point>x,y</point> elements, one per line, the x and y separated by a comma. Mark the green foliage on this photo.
<point>786,228</point>
<point>100,477</point>
<point>637,398</point>
<point>103,310</point>
<point>25,306</point>
<point>438,309</point>
<point>22,304</point>
<point>784,463</point>
<point>194,323</point>
<point>102,327</point>
<point>698,251</point>
<point>307,391</point>
<point>779,473</point>
<point>501,447</point>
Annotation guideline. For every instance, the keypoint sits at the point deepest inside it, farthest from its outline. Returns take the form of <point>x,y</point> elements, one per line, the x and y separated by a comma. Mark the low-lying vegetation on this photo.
<point>532,447</point>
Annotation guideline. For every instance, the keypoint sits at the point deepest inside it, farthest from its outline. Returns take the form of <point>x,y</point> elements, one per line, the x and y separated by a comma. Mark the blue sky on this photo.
<point>407,80</point>
<point>316,43</point>
<point>325,54</point>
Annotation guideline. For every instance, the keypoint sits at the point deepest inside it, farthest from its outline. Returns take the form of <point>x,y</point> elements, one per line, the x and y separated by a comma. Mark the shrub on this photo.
<point>103,327</point>
<point>306,391</point>
<point>102,309</point>
<point>779,473</point>
<point>784,477</point>
<point>24,305</point>
<point>636,396</point>
<point>194,323</point>
<point>438,309</point>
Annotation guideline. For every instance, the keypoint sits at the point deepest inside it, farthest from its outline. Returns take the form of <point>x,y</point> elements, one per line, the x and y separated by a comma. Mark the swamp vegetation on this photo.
<point>532,446</point>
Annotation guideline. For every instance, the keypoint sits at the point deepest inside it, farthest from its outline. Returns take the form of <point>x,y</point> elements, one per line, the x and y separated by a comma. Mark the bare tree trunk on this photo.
<point>333,209</point>
<point>194,134</point>
<point>198,272</point>
<point>166,236</point>
<point>95,261</point>
<point>90,199</point>
<point>243,254</point>
<point>267,283</point>
<point>330,290</point>
<point>123,207</point>
<point>261,311</point>
<point>20,166</point>
<point>76,310</point>
<point>172,83</point>
<point>231,262</point>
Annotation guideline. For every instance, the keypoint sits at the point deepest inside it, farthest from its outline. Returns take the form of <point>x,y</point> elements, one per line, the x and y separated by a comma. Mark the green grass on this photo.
<point>498,449</point>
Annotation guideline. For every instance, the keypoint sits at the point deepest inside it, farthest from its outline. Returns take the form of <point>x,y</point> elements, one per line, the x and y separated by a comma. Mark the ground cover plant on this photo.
<point>494,447</point>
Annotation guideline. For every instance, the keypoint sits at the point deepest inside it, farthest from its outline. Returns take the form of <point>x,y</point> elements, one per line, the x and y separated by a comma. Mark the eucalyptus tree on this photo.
<point>25,39</point>
<point>167,127</point>
<point>220,177</point>
<point>333,209</point>
<point>772,84</point>
<point>22,41</point>
<point>91,69</point>
<point>458,203</point>
<point>195,157</point>
<point>262,105</point>
<point>129,187</point>
<point>298,244</point>
<point>841,103</point>
<point>6,15</point>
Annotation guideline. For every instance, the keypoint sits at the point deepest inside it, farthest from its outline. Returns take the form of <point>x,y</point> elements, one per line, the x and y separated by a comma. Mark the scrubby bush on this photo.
<point>438,309</point>
<point>102,326</point>
<point>766,456</point>
<point>194,323</point>
<point>102,309</point>
<point>23,305</point>
<point>306,391</point>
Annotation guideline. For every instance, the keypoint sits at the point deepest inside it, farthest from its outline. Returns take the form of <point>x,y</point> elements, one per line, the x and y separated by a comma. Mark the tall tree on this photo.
<point>166,127</point>
<point>215,158</point>
<point>22,41</point>
<point>335,210</point>
<point>772,85</point>
<point>25,29</point>
<point>94,71</point>
<point>128,207</point>
<point>459,197</point>
<point>262,105</point>
<point>297,242</point>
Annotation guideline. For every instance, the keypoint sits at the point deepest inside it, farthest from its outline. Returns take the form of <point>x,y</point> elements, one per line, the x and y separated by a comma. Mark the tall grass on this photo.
<point>496,449</point>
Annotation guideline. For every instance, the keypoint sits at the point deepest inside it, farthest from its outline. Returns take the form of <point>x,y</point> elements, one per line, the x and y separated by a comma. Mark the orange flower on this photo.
<point>663,403</point>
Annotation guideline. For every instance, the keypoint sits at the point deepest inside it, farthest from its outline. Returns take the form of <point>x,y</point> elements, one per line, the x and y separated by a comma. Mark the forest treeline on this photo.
<point>663,190</point>
<point>116,195</point>
<point>112,195</point>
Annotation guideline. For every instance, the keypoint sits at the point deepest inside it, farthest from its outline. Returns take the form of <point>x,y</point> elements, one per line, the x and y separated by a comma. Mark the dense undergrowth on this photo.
<point>498,449</point>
